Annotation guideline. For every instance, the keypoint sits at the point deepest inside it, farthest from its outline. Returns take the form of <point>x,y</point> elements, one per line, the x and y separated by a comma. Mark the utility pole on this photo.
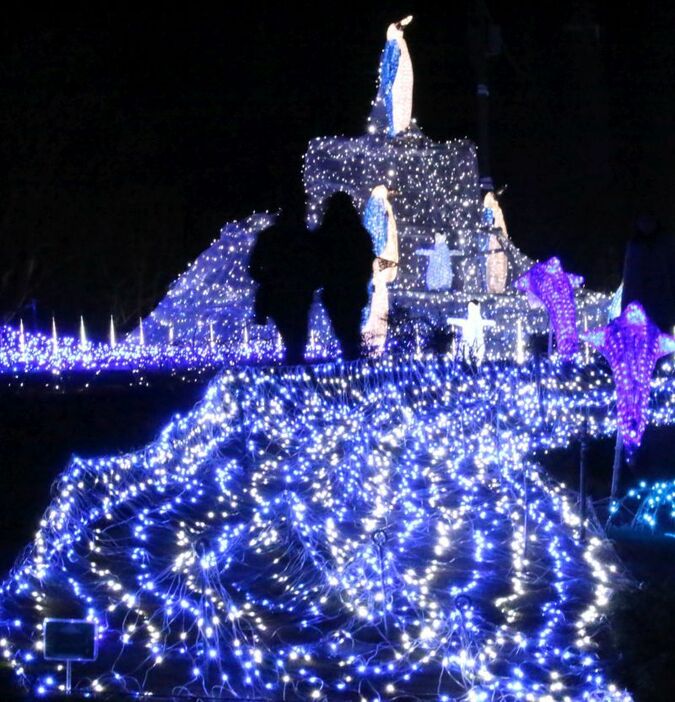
<point>484,39</point>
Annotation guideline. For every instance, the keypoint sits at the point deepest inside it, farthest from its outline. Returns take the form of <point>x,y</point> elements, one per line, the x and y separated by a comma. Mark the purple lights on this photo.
<point>631,344</point>
<point>554,288</point>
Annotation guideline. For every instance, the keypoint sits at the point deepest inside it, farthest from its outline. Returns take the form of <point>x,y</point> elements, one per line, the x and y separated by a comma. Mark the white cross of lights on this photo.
<point>473,334</point>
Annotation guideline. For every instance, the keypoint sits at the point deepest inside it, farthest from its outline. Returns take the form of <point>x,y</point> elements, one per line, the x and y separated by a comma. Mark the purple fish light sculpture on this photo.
<point>550,285</point>
<point>632,344</point>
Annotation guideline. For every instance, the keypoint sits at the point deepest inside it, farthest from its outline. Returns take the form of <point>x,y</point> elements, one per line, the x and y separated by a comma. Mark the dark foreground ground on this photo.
<point>40,429</point>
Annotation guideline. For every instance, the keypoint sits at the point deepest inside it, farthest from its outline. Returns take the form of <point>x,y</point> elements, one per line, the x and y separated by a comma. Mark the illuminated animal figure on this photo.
<point>497,262</point>
<point>380,222</point>
<point>547,283</point>
<point>439,271</point>
<point>393,104</point>
<point>632,344</point>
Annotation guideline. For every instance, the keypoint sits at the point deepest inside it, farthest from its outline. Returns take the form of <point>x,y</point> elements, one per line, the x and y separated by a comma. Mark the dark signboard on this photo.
<point>69,640</point>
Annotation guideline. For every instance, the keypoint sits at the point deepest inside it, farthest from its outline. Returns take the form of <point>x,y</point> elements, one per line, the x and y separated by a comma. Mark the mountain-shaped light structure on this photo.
<point>392,107</point>
<point>549,284</point>
<point>632,344</point>
<point>331,532</point>
<point>212,304</point>
<point>215,289</point>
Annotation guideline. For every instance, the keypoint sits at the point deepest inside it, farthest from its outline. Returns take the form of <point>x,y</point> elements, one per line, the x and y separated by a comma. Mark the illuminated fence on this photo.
<point>159,348</point>
<point>375,529</point>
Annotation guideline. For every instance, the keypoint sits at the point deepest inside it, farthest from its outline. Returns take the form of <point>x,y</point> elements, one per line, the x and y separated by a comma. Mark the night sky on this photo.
<point>129,137</point>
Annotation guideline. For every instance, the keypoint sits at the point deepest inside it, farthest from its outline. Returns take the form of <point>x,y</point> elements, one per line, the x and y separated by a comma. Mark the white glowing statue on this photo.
<point>439,271</point>
<point>380,222</point>
<point>497,262</point>
<point>393,103</point>
<point>473,332</point>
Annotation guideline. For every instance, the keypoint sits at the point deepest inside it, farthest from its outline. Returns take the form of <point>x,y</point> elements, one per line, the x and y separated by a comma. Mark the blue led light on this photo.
<point>398,538</point>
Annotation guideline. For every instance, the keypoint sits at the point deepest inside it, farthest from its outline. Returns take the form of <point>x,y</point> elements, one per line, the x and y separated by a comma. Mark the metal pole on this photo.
<point>550,338</point>
<point>68,678</point>
<point>478,50</point>
<point>379,538</point>
<point>540,391</point>
<point>616,468</point>
<point>526,510</point>
<point>583,455</point>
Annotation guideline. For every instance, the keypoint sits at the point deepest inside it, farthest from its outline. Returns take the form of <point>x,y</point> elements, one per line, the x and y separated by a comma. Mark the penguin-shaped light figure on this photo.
<point>439,270</point>
<point>380,222</point>
<point>392,109</point>
<point>497,262</point>
<point>473,332</point>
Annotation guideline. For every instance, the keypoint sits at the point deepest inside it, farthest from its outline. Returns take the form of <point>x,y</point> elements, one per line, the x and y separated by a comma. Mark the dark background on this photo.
<point>130,135</point>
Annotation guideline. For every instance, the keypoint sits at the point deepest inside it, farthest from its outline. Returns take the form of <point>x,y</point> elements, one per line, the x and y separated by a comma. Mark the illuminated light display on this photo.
<point>376,528</point>
<point>550,285</point>
<point>380,222</point>
<point>55,339</point>
<point>215,288</point>
<point>632,344</point>
<point>84,343</point>
<point>614,309</point>
<point>497,261</point>
<point>432,188</point>
<point>439,268</point>
<point>392,108</point>
<point>38,353</point>
<point>473,333</point>
<point>367,531</point>
<point>649,507</point>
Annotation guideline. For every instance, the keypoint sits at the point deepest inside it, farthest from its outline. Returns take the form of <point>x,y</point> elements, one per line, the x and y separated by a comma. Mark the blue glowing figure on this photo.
<point>375,220</point>
<point>379,220</point>
<point>392,109</point>
<point>439,270</point>
<point>550,285</point>
<point>632,344</point>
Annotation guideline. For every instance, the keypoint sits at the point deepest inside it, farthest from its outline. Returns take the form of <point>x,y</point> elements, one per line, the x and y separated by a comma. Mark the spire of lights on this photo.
<point>83,335</point>
<point>113,335</point>
<point>520,343</point>
<point>55,338</point>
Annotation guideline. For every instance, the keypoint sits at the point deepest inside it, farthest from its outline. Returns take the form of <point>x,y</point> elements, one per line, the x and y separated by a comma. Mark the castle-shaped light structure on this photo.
<point>432,191</point>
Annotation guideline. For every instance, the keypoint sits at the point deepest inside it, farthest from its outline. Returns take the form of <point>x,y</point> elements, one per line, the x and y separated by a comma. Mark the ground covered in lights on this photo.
<point>374,531</point>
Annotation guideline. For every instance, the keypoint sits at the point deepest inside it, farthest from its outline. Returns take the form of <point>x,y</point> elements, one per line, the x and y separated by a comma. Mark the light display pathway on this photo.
<point>330,532</point>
